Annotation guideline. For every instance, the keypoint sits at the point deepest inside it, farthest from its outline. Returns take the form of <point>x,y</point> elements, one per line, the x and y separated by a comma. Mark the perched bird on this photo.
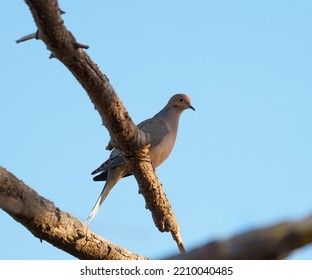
<point>162,129</point>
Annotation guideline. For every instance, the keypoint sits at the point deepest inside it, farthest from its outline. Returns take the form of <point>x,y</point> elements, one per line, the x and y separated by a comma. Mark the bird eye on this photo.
<point>181,99</point>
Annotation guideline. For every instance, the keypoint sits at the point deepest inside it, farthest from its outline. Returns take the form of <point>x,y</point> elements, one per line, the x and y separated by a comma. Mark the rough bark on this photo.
<point>125,136</point>
<point>47,222</point>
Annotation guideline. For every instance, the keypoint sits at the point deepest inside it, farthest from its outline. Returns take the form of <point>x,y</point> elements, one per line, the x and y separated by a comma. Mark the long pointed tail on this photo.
<point>98,203</point>
<point>114,175</point>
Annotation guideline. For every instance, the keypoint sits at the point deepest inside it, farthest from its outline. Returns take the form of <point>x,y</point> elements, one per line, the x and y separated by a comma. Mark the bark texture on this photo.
<point>47,222</point>
<point>125,135</point>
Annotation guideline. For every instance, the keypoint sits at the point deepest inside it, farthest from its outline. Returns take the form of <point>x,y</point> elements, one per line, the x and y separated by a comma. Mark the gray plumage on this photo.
<point>162,129</point>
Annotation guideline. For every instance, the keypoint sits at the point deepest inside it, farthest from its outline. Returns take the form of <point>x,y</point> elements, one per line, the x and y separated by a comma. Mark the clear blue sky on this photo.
<point>242,160</point>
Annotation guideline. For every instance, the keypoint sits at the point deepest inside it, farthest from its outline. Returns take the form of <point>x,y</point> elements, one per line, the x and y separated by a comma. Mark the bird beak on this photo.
<point>191,107</point>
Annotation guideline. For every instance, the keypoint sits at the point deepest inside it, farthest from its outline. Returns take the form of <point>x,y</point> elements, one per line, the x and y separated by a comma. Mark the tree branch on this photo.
<point>47,222</point>
<point>28,37</point>
<point>269,243</point>
<point>125,136</point>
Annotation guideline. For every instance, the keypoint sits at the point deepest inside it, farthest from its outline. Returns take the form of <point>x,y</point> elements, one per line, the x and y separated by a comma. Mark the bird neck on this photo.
<point>170,116</point>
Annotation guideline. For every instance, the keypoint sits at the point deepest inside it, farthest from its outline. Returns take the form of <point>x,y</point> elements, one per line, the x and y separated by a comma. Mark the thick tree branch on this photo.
<point>125,135</point>
<point>47,222</point>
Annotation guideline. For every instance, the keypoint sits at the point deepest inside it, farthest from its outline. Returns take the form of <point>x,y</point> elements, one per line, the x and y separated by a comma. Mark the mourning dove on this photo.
<point>162,130</point>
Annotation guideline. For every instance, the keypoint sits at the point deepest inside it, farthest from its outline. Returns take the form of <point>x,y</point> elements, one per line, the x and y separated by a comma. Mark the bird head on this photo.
<point>181,102</point>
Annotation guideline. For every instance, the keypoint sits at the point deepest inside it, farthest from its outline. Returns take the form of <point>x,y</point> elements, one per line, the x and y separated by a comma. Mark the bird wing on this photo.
<point>156,129</point>
<point>115,159</point>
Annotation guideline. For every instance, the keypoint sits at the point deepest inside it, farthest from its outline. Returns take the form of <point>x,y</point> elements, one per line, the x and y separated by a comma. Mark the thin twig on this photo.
<point>28,37</point>
<point>80,46</point>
